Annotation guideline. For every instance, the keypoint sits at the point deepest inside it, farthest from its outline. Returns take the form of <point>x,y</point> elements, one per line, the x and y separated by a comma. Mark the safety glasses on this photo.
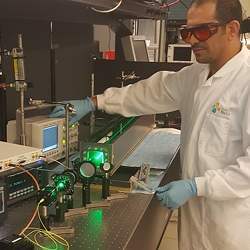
<point>201,32</point>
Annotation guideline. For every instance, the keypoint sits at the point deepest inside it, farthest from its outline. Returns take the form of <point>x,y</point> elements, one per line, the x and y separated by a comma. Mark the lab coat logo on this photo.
<point>218,108</point>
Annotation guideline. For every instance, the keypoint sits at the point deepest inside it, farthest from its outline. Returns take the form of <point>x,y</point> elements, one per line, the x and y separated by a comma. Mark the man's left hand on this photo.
<point>176,193</point>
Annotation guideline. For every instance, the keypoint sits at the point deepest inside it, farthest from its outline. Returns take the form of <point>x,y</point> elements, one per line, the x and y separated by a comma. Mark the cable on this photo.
<point>55,238</point>
<point>173,3</point>
<point>51,232</point>
<point>184,4</point>
<point>168,5</point>
<point>36,231</point>
<point>28,173</point>
<point>38,188</point>
<point>107,11</point>
<point>31,219</point>
<point>43,170</point>
<point>51,159</point>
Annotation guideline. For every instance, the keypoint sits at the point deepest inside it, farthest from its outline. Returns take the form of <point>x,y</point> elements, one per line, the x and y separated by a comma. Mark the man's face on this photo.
<point>213,48</point>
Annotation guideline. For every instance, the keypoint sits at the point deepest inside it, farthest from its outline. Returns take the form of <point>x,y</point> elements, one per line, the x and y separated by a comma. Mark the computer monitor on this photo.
<point>180,53</point>
<point>134,49</point>
<point>141,52</point>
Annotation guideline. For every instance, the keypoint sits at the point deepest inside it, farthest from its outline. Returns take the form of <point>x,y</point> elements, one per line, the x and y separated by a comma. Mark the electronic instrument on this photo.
<point>180,53</point>
<point>48,134</point>
<point>11,153</point>
<point>20,186</point>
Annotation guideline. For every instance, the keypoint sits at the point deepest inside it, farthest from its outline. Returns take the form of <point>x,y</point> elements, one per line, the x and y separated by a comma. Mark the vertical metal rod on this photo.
<point>3,114</point>
<point>122,79</point>
<point>22,134</point>
<point>67,134</point>
<point>3,100</point>
<point>21,74</point>
<point>156,51</point>
<point>60,208</point>
<point>52,66</point>
<point>92,84</point>
<point>70,203</point>
<point>92,116</point>
<point>44,217</point>
<point>160,42</point>
<point>20,41</point>
<point>135,27</point>
<point>105,186</point>
<point>86,193</point>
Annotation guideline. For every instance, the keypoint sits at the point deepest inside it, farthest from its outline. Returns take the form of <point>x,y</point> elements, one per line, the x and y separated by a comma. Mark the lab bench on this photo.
<point>136,222</point>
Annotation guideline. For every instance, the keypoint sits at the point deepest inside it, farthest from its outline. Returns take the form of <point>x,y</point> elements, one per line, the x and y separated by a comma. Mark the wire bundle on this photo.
<point>33,235</point>
<point>36,233</point>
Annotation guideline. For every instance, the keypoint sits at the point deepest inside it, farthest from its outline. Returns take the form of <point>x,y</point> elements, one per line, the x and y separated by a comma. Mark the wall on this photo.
<point>106,37</point>
<point>74,49</point>
<point>246,7</point>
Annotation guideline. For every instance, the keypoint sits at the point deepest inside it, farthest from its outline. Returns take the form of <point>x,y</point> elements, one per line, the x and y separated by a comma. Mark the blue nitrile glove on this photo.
<point>82,107</point>
<point>176,193</point>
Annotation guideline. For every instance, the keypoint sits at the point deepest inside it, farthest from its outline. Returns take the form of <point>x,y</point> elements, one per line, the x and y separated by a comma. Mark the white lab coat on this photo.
<point>215,145</point>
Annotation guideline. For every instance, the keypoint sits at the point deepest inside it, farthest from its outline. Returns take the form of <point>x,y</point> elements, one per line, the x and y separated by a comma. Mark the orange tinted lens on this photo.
<point>201,33</point>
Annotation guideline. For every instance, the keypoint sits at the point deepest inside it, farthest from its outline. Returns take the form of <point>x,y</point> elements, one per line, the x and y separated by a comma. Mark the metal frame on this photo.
<point>74,10</point>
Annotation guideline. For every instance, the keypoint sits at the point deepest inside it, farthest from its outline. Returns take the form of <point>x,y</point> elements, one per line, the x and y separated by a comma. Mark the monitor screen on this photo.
<point>128,48</point>
<point>50,138</point>
<point>141,52</point>
<point>182,54</point>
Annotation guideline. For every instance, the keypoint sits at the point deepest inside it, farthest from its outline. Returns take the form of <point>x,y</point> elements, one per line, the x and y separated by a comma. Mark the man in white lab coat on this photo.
<point>213,97</point>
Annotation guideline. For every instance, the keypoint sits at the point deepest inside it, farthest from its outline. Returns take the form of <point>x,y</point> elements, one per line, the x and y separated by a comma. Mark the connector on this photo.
<point>16,242</point>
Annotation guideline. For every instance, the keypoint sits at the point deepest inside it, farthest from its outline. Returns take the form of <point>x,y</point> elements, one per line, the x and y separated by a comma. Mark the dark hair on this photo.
<point>226,10</point>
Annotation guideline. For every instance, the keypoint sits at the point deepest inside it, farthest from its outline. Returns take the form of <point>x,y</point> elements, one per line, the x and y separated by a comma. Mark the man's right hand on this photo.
<point>82,107</point>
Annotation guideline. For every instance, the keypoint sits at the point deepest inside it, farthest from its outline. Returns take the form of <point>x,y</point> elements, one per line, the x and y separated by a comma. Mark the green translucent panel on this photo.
<point>119,130</point>
<point>96,157</point>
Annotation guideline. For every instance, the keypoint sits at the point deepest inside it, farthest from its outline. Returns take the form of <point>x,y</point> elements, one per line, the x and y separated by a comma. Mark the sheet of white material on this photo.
<point>156,149</point>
